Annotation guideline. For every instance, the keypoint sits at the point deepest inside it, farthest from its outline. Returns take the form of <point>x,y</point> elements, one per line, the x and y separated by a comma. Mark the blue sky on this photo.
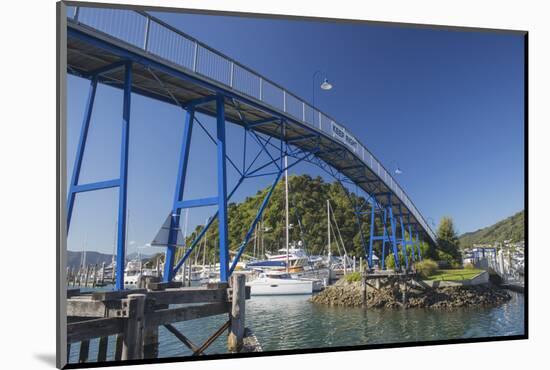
<point>446,106</point>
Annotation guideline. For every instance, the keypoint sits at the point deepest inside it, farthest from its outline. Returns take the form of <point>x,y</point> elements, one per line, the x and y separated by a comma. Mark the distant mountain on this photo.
<point>74,259</point>
<point>511,228</point>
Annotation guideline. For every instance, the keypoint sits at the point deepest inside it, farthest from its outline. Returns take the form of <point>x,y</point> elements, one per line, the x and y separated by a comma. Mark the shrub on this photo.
<point>456,265</point>
<point>390,260</point>
<point>426,267</point>
<point>353,276</point>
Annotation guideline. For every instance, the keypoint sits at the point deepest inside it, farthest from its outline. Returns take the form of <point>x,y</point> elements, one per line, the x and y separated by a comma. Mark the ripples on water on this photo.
<point>292,322</point>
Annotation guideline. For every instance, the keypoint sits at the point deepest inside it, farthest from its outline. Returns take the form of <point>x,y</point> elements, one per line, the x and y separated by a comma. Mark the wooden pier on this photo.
<point>378,279</point>
<point>134,317</point>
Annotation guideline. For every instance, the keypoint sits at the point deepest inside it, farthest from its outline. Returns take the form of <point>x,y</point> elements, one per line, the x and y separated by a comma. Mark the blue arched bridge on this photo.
<point>140,54</point>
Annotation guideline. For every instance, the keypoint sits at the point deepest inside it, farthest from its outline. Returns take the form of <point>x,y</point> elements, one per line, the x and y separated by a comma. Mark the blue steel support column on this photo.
<point>418,242</point>
<point>413,243</point>
<point>80,150</point>
<point>384,237</point>
<point>371,236</point>
<point>178,194</point>
<point>392,237</point>
<point>403,239</point>
<point>121,239</point>
<point>357,219</point>
<point>222,190</point>
<point>363,243</point>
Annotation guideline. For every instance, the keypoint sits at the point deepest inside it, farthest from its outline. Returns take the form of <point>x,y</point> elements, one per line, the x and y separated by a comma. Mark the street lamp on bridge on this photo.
<point>397,170</point>
<point>325,85</point>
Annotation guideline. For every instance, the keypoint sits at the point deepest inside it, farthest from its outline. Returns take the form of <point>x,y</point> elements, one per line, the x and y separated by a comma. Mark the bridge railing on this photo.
<point>164,41</point>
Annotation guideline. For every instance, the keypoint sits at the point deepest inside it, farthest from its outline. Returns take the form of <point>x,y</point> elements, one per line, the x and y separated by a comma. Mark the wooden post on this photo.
<point>345,264</point>
<point>361,264</point>
<point>151,343</point>
<point>86,276</point>
<point>132,342</point>
<point>353,263</point>
<point>364,296</point>
<point>94,279</point>
<point>118,346</point>
<point>103,274</point>
<point>151,334</point>
<point>237,315</point>
<point>102,349</point>
<point>84,350</point>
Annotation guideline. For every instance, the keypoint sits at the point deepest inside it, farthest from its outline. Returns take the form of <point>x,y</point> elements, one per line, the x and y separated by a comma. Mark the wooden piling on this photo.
<point>345,264</point>
<point>102,349</point>
<point>84,350</point>
<point>118,347</point>
<point>403,287</point>
<point>103,274</point>
<point>364,292</point>
<point>86,276</point>
<point>94,279</point>
<point>132,342</point>
<point>151,342</point>
<point>237,315</point>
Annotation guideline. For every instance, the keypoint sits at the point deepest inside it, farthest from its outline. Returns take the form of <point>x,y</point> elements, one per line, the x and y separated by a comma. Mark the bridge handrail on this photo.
<point>143,30</point>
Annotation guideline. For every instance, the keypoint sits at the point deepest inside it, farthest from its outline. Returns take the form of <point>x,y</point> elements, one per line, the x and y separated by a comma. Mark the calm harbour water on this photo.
<point>291,322</point>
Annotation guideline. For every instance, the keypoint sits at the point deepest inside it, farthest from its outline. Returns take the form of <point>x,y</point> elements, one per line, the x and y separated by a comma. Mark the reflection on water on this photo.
<point>292,322</point>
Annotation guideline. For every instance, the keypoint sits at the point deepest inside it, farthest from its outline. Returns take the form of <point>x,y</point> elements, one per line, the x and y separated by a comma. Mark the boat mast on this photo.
<point>286,213</point>
<point>204,248</point>
<point>328,228</point>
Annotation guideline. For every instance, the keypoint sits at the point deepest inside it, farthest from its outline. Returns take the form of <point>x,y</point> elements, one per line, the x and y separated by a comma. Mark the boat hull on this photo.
<point>280,287</point>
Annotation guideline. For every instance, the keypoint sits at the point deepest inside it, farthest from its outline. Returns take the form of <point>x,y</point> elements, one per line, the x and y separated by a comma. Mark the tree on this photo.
<point>447,241</point>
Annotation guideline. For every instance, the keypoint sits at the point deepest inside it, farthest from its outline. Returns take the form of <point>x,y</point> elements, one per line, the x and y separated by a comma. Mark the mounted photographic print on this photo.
<point>236,185</point>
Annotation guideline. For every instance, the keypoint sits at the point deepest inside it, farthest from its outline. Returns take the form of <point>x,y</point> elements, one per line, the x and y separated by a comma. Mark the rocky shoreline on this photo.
<point>349,294</point>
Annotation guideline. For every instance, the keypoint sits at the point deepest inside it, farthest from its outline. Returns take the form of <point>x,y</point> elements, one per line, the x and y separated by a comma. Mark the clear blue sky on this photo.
<point>446,106</point>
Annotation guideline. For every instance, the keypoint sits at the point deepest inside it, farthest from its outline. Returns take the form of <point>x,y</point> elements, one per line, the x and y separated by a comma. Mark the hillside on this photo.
<point>511,228</point>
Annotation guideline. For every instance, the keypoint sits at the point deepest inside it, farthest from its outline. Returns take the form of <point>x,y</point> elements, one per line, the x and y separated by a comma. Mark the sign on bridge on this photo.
<point>340,133</point>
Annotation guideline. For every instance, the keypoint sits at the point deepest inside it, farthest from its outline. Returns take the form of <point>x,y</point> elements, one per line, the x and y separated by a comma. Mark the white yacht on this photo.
<point>279,283</point>
<point>297,258</point>
<point>132,274</point>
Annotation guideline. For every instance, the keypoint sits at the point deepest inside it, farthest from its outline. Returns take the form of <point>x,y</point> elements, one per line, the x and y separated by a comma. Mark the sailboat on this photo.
<point>270,282</point>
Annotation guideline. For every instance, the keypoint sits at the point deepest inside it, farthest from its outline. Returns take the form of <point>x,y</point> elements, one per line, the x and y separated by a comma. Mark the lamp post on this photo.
<point>325,85</point>
<point>397,170</point>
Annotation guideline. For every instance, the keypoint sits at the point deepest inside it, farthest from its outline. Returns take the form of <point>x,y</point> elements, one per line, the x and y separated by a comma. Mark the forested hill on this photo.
<point>511,228</point>
<point>308,207</point>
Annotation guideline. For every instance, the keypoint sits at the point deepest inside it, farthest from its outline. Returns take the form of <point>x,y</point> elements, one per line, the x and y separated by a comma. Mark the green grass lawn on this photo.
<point>456,274</point>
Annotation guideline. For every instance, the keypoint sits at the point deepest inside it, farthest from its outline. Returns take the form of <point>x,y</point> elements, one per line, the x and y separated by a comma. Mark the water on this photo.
<point>291,322</point>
